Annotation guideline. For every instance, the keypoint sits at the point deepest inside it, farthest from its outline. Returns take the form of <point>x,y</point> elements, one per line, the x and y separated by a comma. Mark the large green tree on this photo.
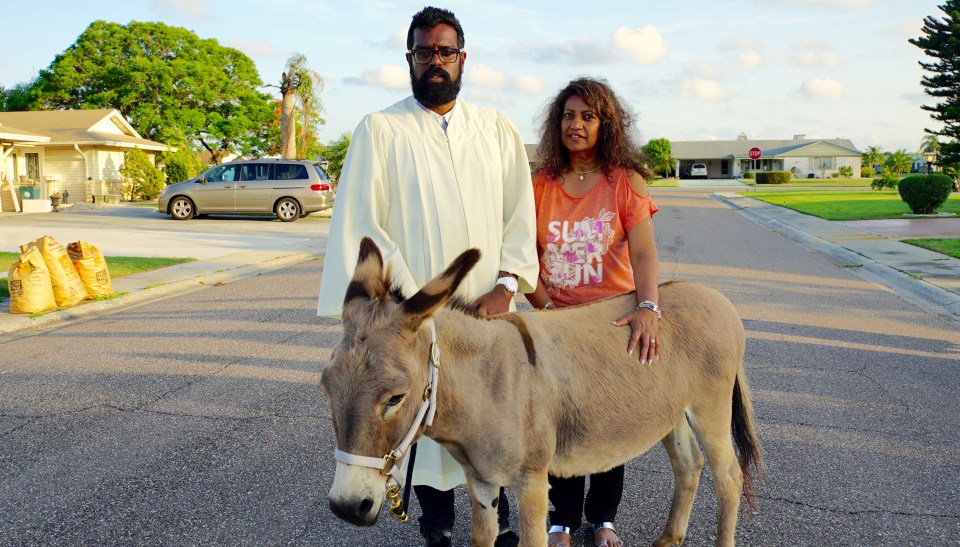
<point>170,84</point>
<point>335,153</point>
<point>658,150</point>
<point>941,42</point>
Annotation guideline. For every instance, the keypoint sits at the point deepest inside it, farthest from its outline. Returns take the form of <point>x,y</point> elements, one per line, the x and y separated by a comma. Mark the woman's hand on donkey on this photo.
<point>644,327</point>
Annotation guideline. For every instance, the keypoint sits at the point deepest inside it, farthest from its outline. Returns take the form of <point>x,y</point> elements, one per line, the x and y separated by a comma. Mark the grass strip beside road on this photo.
<point>949,247</point>
<point>852,205</point>
<point>813,183</point>
<point>118,266</point>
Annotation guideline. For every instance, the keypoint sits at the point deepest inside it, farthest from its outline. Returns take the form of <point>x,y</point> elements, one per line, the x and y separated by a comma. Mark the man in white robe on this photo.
<point>428,178</point>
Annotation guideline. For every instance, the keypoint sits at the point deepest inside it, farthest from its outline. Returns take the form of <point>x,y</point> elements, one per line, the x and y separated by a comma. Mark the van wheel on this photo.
<point>287,210</point>
<point>181,208</point>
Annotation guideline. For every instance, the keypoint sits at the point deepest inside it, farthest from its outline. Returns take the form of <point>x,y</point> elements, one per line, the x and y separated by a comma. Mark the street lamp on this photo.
<point>929,156</point>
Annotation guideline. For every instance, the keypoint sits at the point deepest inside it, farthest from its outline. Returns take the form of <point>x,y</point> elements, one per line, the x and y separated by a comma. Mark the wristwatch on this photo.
<point>509,283</point>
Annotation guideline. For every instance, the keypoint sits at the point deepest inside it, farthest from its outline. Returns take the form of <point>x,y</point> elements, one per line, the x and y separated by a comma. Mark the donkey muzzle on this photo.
<point>357,494</point>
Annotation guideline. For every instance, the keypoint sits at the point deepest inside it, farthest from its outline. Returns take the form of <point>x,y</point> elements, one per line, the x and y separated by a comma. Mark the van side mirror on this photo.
<point>202,180</point>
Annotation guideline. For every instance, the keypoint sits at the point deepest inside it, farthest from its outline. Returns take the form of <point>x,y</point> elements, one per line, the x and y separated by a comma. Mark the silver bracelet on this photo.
<point>547,306</point>
<point>649,305</point>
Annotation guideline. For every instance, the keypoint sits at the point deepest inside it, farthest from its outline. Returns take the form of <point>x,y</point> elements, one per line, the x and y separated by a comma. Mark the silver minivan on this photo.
<point>289,189</point>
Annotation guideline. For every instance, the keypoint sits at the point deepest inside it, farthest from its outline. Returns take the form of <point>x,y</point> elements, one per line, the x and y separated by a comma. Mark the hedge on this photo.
<point>773,177</point>
<point>925,193</point>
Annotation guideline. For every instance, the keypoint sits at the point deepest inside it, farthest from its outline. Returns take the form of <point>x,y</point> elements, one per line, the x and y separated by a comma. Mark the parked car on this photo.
<point>698,170</point>
<point>289,189</point>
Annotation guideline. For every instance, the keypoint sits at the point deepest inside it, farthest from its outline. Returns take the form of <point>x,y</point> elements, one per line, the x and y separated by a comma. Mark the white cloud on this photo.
<point>827,3</point>
<point>644,45</point>
<point>480,75</point>
<point>388,76</point>
<point>396,41</point>
<point>749,60</point>
<point>254,48</point>
<point>575,52</point>
<point>702,89</point>
<point>193,9</point>
<point>824,89</point>
<point>813,54</point>
<point>530,84</point>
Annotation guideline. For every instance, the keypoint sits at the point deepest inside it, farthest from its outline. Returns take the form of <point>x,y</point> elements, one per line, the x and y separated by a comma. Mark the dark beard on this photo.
<point>431,94</point>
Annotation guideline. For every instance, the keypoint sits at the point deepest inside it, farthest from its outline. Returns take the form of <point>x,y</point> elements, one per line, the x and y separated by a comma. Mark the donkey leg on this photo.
<point>687,463</point>
<point>713,431</point>
<point>532,509</point>
<point>483,504</point>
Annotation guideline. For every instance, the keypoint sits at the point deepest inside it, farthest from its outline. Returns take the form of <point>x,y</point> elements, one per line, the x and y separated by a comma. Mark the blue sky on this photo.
<point>690,69</point>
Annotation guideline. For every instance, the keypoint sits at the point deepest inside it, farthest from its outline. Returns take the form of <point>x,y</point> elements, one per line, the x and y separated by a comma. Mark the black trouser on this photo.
<point>566,495</point>
<point>437,512</point>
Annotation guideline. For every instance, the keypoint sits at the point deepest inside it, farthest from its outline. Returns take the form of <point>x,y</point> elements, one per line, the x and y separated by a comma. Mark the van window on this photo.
<point>323,176</point>
<point>224,173</point>
<point>290,171</point>
<point>255,171</point>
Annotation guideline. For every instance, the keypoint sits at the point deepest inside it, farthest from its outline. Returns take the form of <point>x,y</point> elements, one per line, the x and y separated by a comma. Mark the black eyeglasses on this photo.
<point>425,55</point>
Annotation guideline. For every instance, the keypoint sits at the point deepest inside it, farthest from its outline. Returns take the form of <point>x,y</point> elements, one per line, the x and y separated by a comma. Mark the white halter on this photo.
<point>428,409</point>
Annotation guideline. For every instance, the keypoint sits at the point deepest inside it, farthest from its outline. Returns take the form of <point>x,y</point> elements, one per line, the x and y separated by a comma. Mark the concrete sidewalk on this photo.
<point>173,280</point>
<point>929,280</point>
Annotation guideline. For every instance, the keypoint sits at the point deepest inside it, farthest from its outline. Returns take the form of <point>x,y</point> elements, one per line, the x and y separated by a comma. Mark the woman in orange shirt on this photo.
<point>594,240</point>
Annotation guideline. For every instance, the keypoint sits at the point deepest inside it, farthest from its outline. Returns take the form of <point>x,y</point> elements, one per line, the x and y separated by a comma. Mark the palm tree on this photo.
<point>300,88</point>
<point>873,157</point>
<point>929,143</point>
<point>899,162</point>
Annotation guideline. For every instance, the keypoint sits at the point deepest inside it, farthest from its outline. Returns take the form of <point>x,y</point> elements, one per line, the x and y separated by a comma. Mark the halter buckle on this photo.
<point>389,462</point>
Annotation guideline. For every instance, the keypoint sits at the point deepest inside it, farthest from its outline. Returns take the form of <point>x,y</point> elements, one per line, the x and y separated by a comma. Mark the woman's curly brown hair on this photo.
<point>616,146</point>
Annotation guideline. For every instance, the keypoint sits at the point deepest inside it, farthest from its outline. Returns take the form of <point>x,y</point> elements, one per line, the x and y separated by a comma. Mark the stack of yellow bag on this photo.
<point>48,276</point>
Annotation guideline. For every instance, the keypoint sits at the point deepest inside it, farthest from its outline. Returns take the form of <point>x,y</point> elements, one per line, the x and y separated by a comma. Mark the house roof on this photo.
<point>104,127</point>
<point>11,134</point>
<point>693,150</point>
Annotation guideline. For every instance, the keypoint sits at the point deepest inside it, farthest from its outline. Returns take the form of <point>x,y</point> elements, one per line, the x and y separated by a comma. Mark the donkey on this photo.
<point>516,397</point>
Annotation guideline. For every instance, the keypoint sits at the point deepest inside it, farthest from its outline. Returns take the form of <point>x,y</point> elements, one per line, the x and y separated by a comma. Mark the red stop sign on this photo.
<point>755,153</point>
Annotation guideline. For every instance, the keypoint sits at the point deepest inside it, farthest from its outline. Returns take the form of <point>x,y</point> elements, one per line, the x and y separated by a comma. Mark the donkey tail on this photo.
<point>743,428</point>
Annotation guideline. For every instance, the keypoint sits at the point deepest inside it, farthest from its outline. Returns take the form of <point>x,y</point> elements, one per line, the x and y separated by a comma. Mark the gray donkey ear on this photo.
<point>436,293</point>
<point>368,280</point>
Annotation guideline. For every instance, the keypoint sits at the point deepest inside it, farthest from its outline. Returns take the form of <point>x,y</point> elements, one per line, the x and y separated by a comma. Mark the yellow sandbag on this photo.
<point>90,264</point>
<point>68,288</point>
<point>29,284</point>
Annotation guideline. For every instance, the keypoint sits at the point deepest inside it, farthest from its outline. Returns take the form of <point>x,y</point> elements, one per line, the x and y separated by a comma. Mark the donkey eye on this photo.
<point>396,399</point>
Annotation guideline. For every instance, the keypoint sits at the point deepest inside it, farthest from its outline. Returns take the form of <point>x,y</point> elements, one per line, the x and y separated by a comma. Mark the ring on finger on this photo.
<point>652,342</point>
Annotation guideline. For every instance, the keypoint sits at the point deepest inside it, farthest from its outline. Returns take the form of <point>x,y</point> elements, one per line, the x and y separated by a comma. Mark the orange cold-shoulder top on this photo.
<point>582,241</point>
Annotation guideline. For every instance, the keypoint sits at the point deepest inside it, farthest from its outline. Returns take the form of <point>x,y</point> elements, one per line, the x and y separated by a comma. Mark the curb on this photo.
<point>924,295</point>
<point>26,325</point>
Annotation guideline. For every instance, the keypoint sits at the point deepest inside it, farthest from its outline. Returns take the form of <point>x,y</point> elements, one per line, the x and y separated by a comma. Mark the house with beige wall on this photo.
<point>75,152</point>
<point>805,158</point>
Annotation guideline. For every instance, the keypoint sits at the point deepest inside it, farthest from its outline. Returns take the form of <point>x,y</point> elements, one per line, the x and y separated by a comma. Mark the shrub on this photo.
<point>181,165</point>
<point>748,175</point>
<point>887,180</point>
<point>141,180</point>
<point>773,177</point>
<point>867,172</point>
<point>925,193</point>
<point>845,171</point>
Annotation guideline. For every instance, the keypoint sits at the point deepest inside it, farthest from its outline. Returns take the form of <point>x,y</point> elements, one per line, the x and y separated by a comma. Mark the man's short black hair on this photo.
<point>429,17</point>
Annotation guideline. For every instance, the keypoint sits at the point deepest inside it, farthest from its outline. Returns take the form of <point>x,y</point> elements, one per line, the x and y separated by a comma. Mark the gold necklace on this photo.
<point>585,172</point>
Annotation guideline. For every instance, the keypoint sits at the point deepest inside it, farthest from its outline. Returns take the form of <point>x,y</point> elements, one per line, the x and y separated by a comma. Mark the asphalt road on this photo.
<point>198,419</point>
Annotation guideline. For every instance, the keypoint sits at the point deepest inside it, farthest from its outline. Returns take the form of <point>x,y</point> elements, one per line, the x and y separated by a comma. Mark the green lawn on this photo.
<point>949,247</point>
<point>664,183</point>
<point>849,205</point>
<point>812,183</point>
<point>118,266</point>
